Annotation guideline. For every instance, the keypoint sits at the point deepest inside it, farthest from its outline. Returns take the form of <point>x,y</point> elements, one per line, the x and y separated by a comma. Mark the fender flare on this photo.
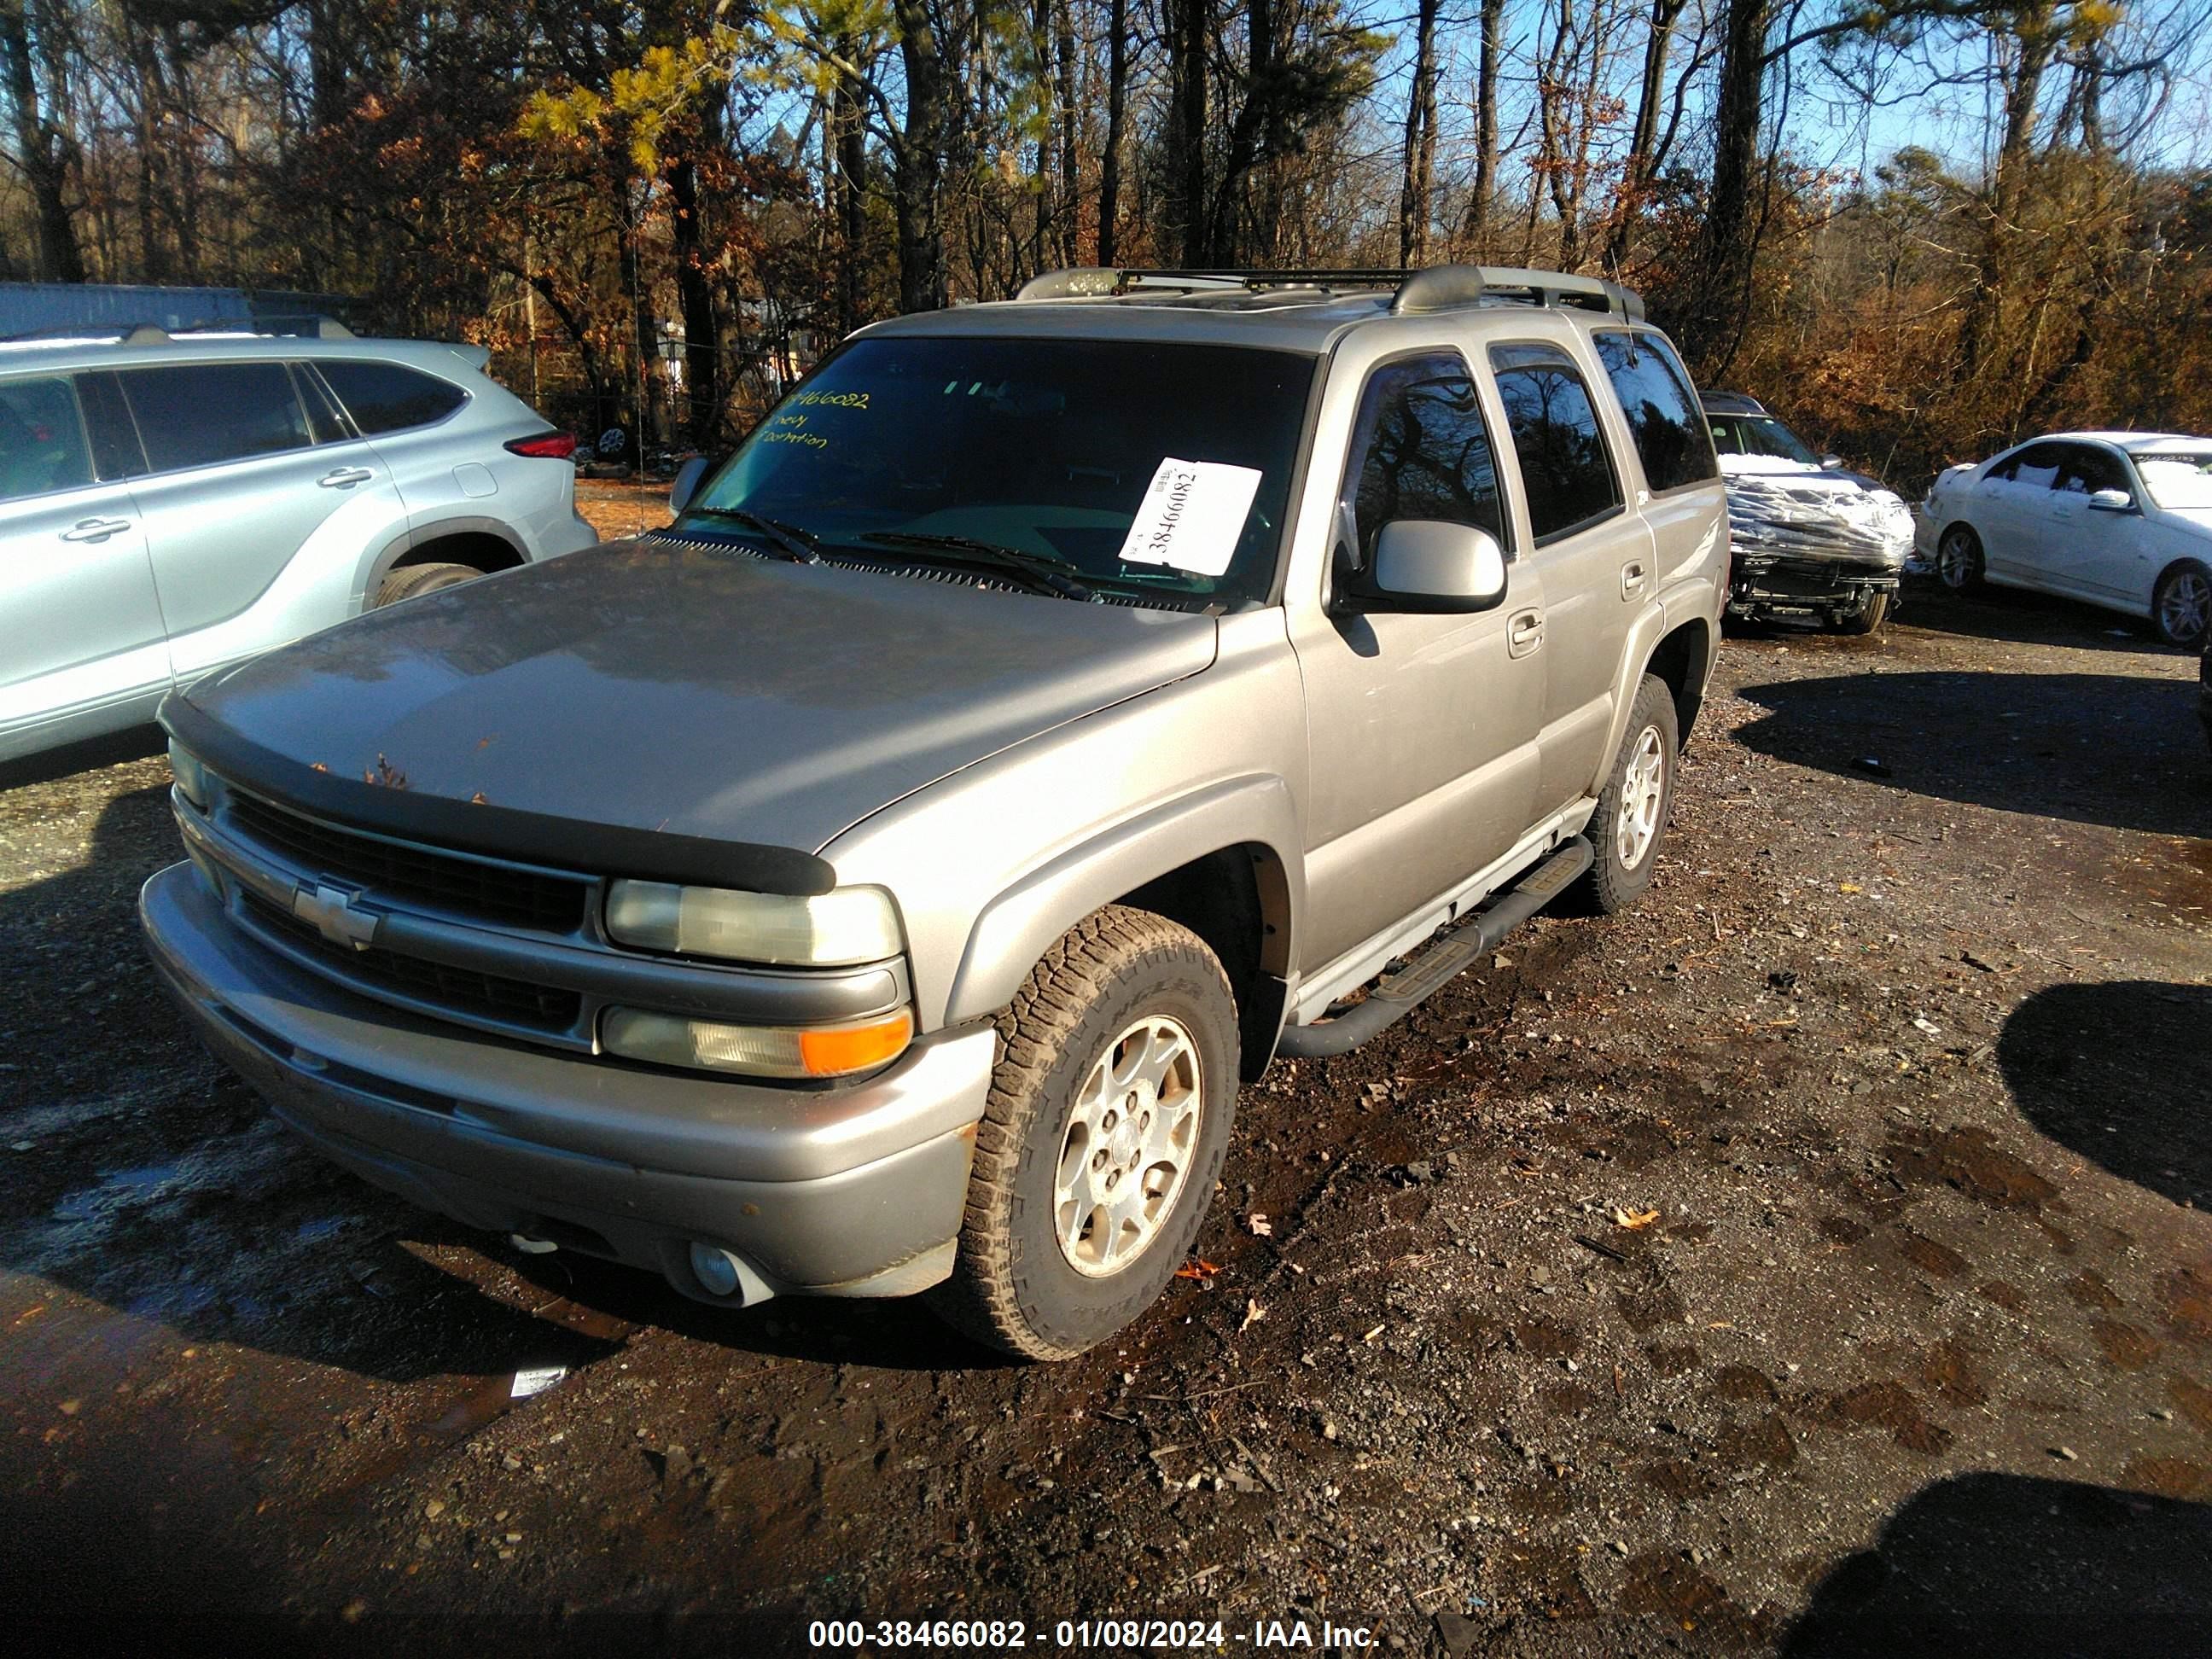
<point>1012,933</point>
<point>1692,602</point>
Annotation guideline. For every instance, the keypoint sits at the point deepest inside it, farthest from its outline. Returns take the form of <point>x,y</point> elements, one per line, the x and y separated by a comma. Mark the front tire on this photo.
<point>1867,618</point>
<point>2181,606</point>
<point>1108,1118</point>
<point>1631,814</point>
<point>1959,564</point>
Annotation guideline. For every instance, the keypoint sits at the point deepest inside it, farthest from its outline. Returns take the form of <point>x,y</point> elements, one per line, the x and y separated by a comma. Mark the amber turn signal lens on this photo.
<point>791,1051</point>
<point>837,1050</point>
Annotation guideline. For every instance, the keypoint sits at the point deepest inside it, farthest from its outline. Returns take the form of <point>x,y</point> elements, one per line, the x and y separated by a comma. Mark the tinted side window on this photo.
<point>1564,467</point>
<point>387,397</point>
<point>42,447</point>
<point>198,414</point>
<point>1672,439</point>
<point>1420,450</point>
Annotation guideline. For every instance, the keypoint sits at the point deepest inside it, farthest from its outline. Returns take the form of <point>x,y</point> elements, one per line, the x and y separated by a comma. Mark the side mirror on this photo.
<point>1426,566</point>
<point>687,483</point>
<point>1832,463</point>
<point>2112,500</point>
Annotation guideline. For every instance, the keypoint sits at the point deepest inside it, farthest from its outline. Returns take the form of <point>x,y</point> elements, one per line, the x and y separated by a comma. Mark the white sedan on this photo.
<point>2123,519</point>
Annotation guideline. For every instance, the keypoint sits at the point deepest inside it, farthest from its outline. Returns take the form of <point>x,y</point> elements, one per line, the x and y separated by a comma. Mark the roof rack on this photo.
<point>144,334</point>
<point>1439,287</point>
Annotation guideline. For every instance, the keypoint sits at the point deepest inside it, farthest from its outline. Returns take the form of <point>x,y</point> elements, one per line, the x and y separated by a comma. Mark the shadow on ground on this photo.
<point>124,1131</point>
<point>2004,1564</point>
<point>137,743</point>
<point>2099,749</point>
<point>2024,618</point>
<point>2120,1072</point>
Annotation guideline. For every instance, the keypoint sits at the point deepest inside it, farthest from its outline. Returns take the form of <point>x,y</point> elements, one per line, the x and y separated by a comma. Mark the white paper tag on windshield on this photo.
<point>1191,517</point>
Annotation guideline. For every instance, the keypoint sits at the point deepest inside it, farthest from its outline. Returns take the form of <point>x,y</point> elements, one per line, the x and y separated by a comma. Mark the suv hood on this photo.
<point>690,689</point>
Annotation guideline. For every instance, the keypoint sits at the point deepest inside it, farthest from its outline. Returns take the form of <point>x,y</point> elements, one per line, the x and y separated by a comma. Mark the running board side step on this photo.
<point>1440,963</point>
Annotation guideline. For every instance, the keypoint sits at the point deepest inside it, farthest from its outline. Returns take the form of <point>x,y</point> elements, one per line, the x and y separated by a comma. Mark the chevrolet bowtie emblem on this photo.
<point>335,916</point>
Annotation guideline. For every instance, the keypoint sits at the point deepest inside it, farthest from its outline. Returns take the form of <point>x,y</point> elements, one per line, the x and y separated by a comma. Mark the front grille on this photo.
<point>464,990</point>
<point>487,892</point>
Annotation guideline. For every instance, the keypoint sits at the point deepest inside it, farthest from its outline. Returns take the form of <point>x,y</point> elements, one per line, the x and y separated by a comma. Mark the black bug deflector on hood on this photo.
<point>669,710</point>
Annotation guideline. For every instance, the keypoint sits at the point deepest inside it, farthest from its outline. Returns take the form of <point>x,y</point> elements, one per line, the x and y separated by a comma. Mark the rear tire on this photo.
<point>1867,618</point>
<point>1958,562</point>
<point>1631,820</point>
<point>2181,606</point>
<point>1091,1174</point>
<point>413,580</point>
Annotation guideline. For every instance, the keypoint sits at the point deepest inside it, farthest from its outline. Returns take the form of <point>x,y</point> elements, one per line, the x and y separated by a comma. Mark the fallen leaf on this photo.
<point>1633,1220</point>
<point>1849,887</point>
<point>1253,1313</point>
<point>1197,1267</point>
<point>1260,1227</point>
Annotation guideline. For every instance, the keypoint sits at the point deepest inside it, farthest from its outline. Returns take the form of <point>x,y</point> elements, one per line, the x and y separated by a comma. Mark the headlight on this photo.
<point>191,775</point>
<point>831,930</point>
<point>820,1051</point>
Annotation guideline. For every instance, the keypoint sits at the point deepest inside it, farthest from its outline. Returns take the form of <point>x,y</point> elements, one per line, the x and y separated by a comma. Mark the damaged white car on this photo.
<point>2121,519</point>
<point>1813,543</point>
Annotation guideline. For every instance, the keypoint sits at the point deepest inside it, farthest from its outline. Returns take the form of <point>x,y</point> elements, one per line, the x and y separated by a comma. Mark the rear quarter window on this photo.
<point>389,398</point>
<point>1669,430</point>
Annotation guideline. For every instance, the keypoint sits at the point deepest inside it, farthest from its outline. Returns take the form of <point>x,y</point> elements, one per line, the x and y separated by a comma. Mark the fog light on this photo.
<point>800,1051</point>
<point>717,1270</point>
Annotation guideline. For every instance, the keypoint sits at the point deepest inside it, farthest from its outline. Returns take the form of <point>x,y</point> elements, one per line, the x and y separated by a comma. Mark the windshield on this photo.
<point>2176,481</point>
<point>1137,468</point>
<point>1759,434</point>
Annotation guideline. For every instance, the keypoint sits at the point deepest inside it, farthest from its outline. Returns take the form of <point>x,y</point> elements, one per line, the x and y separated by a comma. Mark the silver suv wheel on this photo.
<point>1109,1112</point>
<point>1129,1144</point>
<point>1642,792</point>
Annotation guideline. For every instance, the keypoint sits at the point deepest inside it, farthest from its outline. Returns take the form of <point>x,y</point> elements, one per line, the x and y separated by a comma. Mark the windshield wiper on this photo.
<point>1045,574</point>
<point>797,544</point>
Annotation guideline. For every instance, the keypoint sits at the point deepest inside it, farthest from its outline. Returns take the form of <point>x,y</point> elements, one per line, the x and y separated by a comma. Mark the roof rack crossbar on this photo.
<point>1439,287</point>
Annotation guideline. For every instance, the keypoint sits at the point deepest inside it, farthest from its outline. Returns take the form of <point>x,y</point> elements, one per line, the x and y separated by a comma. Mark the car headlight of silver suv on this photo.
<point>836,929</point>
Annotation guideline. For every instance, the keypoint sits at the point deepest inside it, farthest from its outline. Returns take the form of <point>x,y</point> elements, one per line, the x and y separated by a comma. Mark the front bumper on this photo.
<point>1768,585</point>
<point>854,1191</point>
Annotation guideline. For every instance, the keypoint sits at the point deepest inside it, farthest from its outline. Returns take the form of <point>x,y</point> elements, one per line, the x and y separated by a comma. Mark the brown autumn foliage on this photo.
<point>656,214</point>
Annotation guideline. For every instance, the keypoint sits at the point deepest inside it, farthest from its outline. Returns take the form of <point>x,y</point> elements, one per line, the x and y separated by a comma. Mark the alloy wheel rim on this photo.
<point>1642,788</point>
<point>1952,560</point>
<point>2187,603</point>
<point>1130,1142</point>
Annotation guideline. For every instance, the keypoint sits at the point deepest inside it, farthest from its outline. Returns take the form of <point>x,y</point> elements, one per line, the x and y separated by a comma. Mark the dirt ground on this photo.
<point>1814,1260</point>
<point>617,509</point>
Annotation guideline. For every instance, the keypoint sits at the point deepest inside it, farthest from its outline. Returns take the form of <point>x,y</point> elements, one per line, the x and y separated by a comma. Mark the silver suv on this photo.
<point>880,880</point>
<point>168,506</point>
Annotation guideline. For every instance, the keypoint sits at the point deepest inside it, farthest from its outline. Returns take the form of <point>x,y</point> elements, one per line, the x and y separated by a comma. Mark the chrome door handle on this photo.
<point>1524,632</point>
<point>345,477</point>
<point>95,530</point>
